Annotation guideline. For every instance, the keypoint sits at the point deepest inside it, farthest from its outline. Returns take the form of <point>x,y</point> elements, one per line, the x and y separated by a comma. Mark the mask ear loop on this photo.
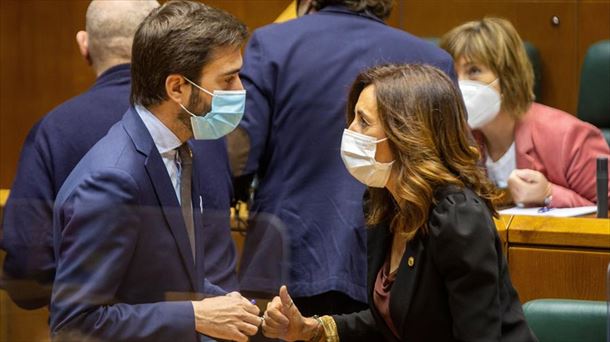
<point>494,81</point>
<point>188,111</point>
<point>381,140</point>
<point>198,87</point>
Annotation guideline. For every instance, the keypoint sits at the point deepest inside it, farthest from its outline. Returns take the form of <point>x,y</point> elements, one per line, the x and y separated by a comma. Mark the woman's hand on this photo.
<point>528,187</point>
<point>283,320</point>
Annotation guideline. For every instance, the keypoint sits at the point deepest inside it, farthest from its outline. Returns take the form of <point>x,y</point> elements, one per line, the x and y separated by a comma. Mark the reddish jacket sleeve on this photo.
<point>582,144</point>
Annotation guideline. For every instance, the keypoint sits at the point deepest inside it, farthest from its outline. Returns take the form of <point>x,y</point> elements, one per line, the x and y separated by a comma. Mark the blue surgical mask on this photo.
<point>226,113</point>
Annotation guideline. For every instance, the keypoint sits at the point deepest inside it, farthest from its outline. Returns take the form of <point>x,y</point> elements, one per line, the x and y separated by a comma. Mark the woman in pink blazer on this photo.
<point>542,155</point>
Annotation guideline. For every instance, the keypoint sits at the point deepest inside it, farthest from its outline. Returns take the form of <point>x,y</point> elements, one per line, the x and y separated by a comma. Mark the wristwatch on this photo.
<point>547,200</point>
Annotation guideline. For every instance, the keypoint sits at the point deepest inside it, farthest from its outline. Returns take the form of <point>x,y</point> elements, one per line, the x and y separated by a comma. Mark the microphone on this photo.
<point>602,187</point>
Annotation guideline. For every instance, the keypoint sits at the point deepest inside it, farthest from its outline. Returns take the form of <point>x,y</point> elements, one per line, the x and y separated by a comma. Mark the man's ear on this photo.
<point>82,39</point>
<point>176,88</point>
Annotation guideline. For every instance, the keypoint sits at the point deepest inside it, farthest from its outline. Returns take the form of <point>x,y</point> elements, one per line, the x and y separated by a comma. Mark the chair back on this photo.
<point>566,320</point>
<point>534,57</point>
<point>594,93</point>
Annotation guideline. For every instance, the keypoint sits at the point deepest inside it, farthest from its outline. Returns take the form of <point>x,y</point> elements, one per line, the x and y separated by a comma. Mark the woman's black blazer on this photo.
<point>456,286</point>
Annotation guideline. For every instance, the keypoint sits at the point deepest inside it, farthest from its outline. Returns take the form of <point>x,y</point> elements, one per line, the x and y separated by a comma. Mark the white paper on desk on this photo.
<point>554,212</point>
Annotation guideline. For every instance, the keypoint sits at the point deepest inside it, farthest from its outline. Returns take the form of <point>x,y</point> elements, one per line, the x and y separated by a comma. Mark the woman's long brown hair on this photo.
<point>423,116</point>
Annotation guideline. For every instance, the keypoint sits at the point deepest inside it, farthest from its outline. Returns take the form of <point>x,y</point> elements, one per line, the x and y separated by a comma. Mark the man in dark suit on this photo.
<point>58,141</point>
<point>62,137</point>
<point>297,75</point>
<point>128,222</point>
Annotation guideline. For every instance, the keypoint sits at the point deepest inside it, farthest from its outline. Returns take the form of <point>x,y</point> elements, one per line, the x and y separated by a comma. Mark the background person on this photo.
<point>58,141</point>
<point>543,155</point>
<point>297,75</point>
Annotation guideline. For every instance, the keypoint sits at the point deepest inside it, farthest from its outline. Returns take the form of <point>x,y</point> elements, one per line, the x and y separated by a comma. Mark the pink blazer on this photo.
<point>564,149</point>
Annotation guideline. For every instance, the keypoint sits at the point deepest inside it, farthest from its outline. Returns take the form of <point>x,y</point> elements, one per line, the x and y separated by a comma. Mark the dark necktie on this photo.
<point>186,200</point>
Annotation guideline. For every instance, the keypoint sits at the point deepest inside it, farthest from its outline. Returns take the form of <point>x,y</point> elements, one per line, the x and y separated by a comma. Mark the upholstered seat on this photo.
<point>594,94</point>
<point>564,320</point>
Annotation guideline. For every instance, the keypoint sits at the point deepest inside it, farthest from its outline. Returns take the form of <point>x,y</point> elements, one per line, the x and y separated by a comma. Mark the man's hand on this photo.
<point>283,320</point>
<point>528,187</point>
<point>231,317</point>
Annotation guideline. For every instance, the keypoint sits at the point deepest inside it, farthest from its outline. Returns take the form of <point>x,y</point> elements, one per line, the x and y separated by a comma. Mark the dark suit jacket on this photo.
<point>458,288</point>
<point>52,149</point>
<point>125,270</point>
<point>298,75</point>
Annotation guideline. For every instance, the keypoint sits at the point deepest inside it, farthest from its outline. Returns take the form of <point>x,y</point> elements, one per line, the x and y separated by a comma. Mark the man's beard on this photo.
<point>196,106</point>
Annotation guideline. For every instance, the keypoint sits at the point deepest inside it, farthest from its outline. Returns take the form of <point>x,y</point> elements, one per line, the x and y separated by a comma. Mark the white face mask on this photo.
<point>358,154</point>
<point>482,102</point>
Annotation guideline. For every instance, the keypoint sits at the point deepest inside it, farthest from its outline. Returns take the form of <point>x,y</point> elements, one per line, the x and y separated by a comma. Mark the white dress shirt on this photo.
<point>166,142</point>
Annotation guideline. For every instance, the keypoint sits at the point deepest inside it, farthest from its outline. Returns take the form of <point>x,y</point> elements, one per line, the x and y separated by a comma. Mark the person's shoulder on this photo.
<point>116,182</point>
<point>66,108</point>
<point>86,105</point>
<point>541,112</point>
<point>112,150</point>
<point>274,30</point>
<point>112,158</point>
<point>553,120</point>
<point>458,211</point>
<point>59,124</point>
<point>417,49</point>
<point>83,119</point>
<point>455,195</point>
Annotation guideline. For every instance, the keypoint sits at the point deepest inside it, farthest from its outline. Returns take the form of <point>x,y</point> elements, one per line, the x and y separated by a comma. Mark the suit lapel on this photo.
<point>524,147</point>
<point>406,279</point>
<point>379,239</point>
<point>164,189</point>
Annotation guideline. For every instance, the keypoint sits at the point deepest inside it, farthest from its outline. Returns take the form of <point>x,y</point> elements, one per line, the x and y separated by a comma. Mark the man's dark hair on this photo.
<point>179,37</point>
<point>380,8</point>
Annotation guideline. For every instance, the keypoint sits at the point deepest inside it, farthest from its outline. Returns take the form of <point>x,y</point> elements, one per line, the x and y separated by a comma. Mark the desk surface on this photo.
<point>559,231</point>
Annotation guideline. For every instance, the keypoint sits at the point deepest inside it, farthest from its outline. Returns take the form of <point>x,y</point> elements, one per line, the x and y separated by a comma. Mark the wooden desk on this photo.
<point>559,257</point>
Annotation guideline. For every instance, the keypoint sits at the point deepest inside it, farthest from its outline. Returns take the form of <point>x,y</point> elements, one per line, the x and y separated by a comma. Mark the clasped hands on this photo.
<point>233,317</point>
<point>529,187</point>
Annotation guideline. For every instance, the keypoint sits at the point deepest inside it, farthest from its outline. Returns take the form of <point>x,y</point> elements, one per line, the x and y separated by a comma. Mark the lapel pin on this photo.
<point>411,261</point>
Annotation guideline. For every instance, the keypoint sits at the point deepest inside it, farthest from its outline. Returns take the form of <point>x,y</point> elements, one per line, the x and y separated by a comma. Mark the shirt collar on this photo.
<point>165,140</point>
<point>345,10</point>
<point>117,74</point>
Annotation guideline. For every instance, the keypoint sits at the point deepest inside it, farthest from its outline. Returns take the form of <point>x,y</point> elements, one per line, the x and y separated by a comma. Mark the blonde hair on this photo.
<point>423,116</point>
<point>495,43</point>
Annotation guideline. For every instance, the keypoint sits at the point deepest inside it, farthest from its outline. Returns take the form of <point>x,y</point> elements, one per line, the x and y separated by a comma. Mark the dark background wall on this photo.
<point>40,66</point>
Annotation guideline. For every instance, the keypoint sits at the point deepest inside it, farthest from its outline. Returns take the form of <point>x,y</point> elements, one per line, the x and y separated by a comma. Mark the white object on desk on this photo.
<point>553,212</point>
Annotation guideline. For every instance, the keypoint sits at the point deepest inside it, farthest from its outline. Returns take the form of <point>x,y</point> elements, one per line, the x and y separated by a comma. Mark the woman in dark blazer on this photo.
<point>436,271</point>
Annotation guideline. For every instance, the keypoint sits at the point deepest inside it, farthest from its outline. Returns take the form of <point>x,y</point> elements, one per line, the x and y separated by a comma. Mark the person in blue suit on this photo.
<point>128,227</point>
<point>297,75</point>
<point>62,137</point>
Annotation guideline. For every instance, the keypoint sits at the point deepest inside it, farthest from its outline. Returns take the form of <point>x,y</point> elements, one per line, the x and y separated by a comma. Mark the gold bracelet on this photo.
<point>330,329</point>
